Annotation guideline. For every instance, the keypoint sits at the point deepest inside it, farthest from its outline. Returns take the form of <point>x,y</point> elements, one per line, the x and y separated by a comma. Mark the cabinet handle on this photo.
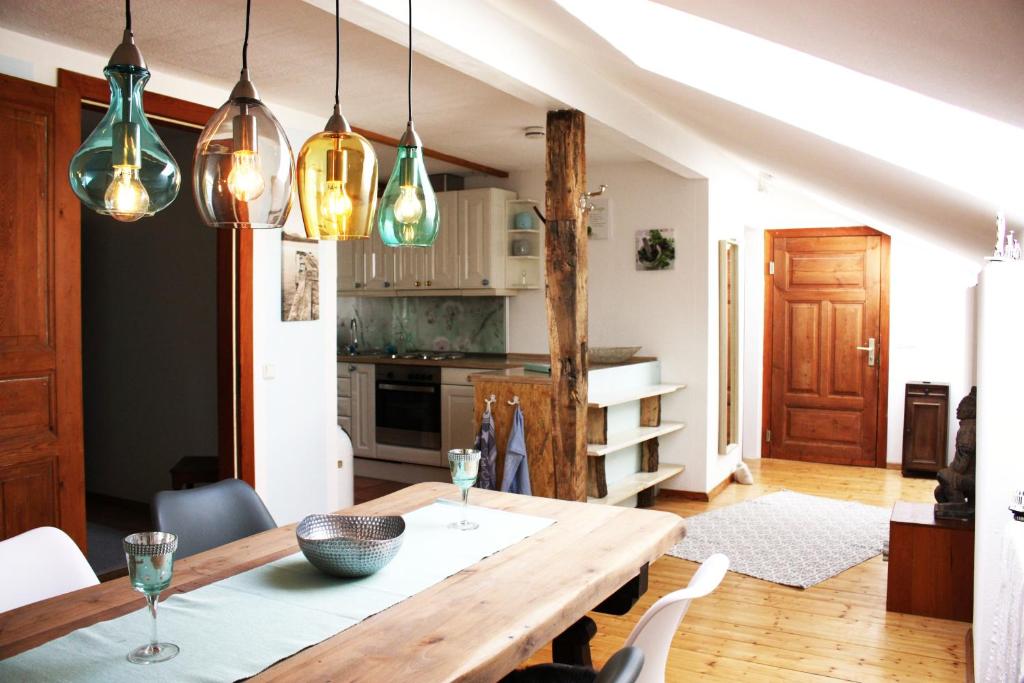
<point>387,284</point>
<point>485,282</point>
<point>429,283</point>
<point>358,285</point>
<point>417,283</point>
<point>351,368</point>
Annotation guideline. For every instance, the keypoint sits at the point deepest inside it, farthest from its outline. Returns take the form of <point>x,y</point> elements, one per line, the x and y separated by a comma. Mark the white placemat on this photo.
<point>241,625</point>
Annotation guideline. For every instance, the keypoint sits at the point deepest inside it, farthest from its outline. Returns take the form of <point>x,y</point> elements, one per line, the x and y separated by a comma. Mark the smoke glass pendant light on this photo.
<point>408,215</point>
<point>123,169</point>
<point>337,172</point>
<point>242,168</point>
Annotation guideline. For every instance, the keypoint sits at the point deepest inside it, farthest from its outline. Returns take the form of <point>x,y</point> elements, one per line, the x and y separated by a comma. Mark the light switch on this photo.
<point>269,371</point>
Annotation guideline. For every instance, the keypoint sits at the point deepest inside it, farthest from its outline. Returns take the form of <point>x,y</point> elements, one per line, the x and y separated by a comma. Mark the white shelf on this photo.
<point>633,436</point>
<point>526,258</point>
<point>603,399</point>
<point>523,231</point>
<point>523,200</point>
<point>635,483</point>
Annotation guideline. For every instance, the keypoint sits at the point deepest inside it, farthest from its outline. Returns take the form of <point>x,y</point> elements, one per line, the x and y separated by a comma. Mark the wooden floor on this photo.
<point>753,630</point>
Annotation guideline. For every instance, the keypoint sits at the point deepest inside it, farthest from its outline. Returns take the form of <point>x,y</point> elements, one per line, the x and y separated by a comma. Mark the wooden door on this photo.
<point>42,481</point>
<point>825,391</point>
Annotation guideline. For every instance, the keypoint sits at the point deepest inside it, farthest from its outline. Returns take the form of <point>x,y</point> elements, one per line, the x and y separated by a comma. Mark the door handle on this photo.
<point>870,348</point>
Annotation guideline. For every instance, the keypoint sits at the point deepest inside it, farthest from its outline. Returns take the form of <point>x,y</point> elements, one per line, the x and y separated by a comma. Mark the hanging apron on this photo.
<point>517,472</point>
<point>487,477</point>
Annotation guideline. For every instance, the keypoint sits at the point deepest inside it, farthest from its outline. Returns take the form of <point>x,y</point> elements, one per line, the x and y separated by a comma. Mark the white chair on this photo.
<point>654,632</point>
<point>40,564</point>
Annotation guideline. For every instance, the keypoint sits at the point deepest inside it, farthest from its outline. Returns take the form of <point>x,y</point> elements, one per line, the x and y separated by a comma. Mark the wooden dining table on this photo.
<point>476,625</point>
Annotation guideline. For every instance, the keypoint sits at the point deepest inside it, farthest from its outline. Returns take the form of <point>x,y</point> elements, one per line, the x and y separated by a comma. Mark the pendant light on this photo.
<point>337,172</point>
<point>408,215</point>
<point>242,168</point>
<point>123,169</point>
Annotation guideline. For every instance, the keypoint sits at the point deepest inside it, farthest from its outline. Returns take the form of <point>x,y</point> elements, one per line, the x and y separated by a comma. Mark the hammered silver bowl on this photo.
<point>350,546</point>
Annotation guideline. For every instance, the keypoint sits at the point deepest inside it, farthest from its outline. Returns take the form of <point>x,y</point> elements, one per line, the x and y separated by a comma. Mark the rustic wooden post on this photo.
<point>566,294</point>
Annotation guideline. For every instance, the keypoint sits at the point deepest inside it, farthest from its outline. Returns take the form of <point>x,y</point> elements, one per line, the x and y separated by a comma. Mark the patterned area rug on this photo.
<point>788,538</point>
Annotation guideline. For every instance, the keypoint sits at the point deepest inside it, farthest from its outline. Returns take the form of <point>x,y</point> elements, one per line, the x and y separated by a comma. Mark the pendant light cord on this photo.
<point>245,43</point>
<point>337,51</point>
<point>409,82</point>
<point>128,15</point>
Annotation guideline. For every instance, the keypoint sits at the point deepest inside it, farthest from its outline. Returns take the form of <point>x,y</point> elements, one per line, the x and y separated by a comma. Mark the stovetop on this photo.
<point>429,355</point>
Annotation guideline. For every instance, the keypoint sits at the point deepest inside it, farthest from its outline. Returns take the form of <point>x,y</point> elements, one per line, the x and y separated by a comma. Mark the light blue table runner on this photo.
<point>241,625</point>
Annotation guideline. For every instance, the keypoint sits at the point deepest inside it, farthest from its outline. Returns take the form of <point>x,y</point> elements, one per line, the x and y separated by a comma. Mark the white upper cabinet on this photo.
<point>381,263</point>
<point>481,221</point>
<point>351,266</point>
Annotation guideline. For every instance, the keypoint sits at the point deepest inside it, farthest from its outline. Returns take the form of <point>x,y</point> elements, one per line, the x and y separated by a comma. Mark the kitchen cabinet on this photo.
<point>381,264</point>
<point>925,420</point>
<point>457,427</point>
<point>351,266</point>
<point>426,270</point>
<point>358,379</point>
<point>482,218</point>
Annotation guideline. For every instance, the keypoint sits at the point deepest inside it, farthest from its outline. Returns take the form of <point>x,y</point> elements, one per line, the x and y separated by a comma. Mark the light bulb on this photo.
<point>245,181</point>
<point>408,207</point>
<point>126,199</point>
<point>336,206</point>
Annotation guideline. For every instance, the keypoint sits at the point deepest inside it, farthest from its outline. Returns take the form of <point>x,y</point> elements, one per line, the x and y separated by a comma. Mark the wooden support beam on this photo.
<point>597,425</point>
<point>648,463</point>
<point>566,295</point>
<point>650,411</point>
<point>597,479</point>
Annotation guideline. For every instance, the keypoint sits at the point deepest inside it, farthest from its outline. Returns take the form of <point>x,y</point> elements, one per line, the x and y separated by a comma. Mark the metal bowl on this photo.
<point>346,546</point>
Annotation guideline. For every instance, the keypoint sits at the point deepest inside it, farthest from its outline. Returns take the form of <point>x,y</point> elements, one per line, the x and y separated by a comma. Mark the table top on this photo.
<point>476,625</point>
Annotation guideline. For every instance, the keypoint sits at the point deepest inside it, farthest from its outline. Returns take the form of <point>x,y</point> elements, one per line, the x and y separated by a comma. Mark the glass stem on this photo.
<point>151,600</point>
<point>465,505</point>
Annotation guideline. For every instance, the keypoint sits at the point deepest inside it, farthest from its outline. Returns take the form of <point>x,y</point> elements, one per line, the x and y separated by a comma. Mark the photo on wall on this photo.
<point>300,279</point>
<point>655,249</point>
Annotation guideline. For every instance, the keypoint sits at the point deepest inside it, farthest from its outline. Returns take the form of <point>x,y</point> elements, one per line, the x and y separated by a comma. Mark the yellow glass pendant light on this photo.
<point>337,172</point>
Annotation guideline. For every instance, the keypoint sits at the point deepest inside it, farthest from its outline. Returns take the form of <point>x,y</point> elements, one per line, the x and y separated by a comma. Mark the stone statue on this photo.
<point>955,492</point>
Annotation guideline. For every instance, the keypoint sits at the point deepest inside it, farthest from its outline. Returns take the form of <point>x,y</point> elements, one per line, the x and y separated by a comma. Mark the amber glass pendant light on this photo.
<point>408,215</point>
<point>337,172</point>
<point>123,169</point>
<point>242,168</point>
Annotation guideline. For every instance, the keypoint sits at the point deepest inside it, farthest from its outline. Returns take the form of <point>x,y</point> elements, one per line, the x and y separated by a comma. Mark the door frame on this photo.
<point>882,431</point>
<point>235,421</point>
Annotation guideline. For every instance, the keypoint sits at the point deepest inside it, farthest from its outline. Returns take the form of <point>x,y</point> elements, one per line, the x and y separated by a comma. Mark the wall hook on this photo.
<point>514,401</point>
<point>585,203</point>
<point>489,401</point>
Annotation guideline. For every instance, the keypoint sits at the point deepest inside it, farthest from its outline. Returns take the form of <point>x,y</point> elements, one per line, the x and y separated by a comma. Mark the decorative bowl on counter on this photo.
<point>350,546</point>
<point>611,354</point>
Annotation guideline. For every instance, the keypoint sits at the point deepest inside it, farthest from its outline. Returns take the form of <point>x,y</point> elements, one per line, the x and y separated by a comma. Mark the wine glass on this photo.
<point>464,465</point>
<point>150,557</point>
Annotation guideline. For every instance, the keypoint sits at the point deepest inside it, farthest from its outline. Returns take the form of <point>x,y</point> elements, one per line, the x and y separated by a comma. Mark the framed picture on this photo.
<point>300,279</point>
<point>655,249</point>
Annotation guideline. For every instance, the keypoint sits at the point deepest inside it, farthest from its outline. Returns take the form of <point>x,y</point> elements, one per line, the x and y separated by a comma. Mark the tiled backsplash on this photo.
<point>450,323</point>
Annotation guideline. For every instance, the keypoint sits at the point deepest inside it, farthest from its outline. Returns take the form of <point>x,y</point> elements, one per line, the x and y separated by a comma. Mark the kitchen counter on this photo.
<point>518,374</point>
<point>499,365</point>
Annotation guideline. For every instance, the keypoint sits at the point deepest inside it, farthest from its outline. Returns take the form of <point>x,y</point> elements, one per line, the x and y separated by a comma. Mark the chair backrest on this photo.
<point>654,632</point>
<point>622,667</point>
<point>40,564</point>
<point>210,516</point>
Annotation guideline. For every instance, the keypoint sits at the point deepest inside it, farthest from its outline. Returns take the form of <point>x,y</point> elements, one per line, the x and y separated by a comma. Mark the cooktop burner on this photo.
<point>432,355</point>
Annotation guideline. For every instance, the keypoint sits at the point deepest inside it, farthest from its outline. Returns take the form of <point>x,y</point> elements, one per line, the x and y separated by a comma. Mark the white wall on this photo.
<point>931,332</point>
<point>1000,464</point>
<point>296,412</point>
<point>664,312</point>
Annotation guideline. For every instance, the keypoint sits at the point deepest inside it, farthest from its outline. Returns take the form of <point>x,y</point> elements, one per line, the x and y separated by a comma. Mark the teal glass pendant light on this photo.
<point>408,215</point>
<point>123,169</point>
<point>243,168</point>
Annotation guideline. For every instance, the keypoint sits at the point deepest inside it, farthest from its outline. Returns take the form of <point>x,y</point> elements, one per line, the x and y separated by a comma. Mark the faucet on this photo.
<point>353,348</point>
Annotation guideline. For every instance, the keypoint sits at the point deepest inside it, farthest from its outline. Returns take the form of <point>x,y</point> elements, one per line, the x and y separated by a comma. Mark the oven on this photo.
<point>408,403</point>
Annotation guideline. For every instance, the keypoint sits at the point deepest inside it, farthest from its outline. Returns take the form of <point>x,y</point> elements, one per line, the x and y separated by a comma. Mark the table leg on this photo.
<point>573,645</point>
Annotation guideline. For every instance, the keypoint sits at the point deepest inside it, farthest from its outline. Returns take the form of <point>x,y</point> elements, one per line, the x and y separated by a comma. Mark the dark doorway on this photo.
<point>149,353</point>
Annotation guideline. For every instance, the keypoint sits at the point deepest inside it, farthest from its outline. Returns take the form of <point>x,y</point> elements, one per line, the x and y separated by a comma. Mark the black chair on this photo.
<point>623,667</point>
<point>210,516</point>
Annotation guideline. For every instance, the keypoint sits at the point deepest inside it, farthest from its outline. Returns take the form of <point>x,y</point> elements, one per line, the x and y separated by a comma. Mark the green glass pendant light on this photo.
<point>408,215</point>
<point>123,169</point>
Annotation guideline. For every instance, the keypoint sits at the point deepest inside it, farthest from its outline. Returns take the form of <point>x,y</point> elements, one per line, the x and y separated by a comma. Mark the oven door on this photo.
<point>409,414</point>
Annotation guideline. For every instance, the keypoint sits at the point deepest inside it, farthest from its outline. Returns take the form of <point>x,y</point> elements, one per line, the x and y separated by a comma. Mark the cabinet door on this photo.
<point>364,414</point>
<point>924,433</point>
<point>352,265</point>
<point>411,264</point>
<point>457,427</point>
<point>381,264</point>
<point>443,260</point>
<point>475,238</point>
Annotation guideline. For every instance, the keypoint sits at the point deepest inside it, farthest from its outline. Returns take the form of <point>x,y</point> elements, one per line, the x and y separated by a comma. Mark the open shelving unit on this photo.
<point>526,271</point>
<point>613,444</point>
